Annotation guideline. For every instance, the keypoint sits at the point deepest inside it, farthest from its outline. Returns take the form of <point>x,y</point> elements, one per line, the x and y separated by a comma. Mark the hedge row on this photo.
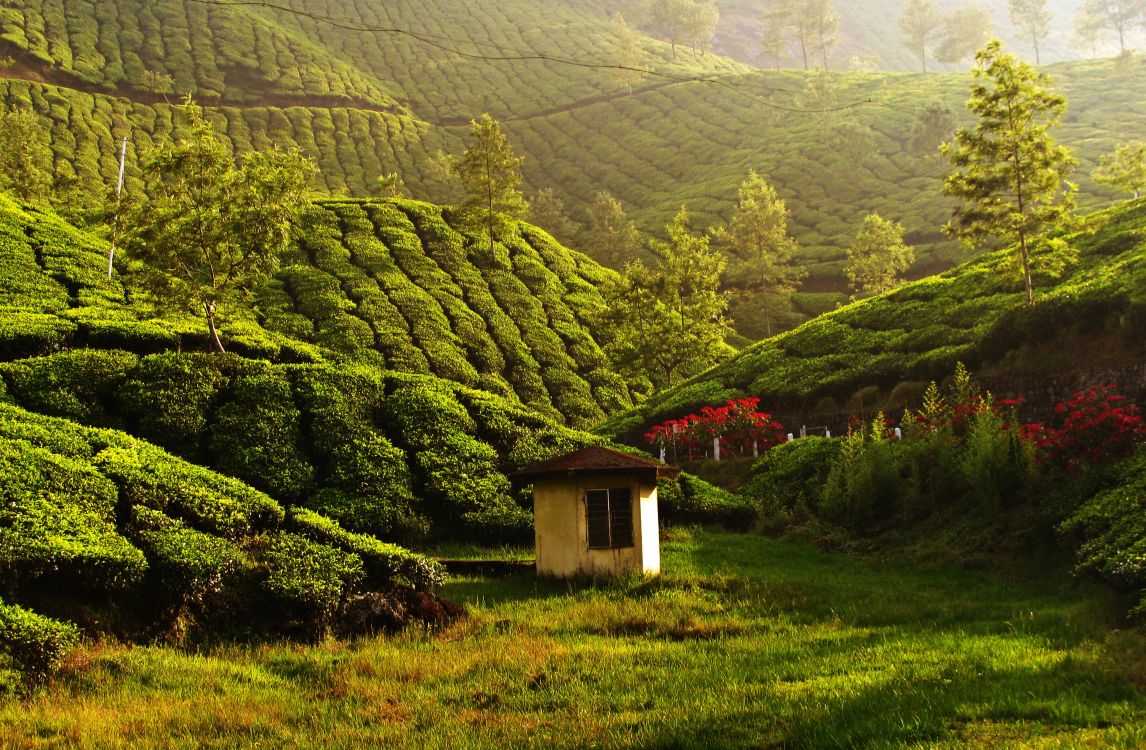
<point>94,513</point>
<point>36,645</point>
<point>391,455</point>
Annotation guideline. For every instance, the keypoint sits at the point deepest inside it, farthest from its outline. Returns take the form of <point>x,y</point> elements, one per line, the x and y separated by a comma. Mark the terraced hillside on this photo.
<point>876,351</point>
<point>366,417</point>
<point>388,284</point>
<point>669,142</point>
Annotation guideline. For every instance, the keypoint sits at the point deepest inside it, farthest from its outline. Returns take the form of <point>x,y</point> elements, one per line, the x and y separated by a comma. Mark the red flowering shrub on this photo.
<point>1097,426</point>
<point>738,424</point>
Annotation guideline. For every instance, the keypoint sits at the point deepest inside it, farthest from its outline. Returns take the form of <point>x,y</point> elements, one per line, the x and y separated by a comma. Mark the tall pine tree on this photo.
<point>1010,174</point>
<point>490,174</point>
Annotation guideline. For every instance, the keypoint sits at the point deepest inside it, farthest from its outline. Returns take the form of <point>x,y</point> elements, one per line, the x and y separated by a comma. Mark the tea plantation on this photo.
<point>837,146</point>
<point>388,284</point>
<point>121,537</point>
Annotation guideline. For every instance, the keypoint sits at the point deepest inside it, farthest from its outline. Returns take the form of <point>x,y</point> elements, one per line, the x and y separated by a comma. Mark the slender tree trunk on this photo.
<point>1026,266</point>
<point>804,51</point>
<point>209,308</point>
<point>489,201</point>
<point>1037,60</point>
<point>923,57</point>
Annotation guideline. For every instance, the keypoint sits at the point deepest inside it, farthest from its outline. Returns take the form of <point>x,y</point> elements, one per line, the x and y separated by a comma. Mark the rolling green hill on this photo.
<point>857,356</point>
<point>393,101</point>
<point>388,284</point>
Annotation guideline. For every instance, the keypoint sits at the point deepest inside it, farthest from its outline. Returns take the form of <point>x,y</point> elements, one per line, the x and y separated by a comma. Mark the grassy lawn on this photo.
<point>744,642</point>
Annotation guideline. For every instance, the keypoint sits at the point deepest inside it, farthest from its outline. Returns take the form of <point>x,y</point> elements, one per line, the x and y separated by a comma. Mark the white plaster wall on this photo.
<point>561,529</point>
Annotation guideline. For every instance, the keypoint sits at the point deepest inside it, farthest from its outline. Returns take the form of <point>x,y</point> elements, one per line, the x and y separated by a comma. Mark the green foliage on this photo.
<point>36,644</point>
<point>304,580</point>
<point>1110,531</point>
<point>611,236</point>
<point>878,256</point>
<point>57,522</point>
<point>919,331</point>
<point>1125,168</point>
<point>81,384</point>
<point>693,500</point>
<point>203,499</point>
<point>669,321</point>
<point>490,174</point>
<point>788,479</point>
<point>459,473</point>
<point>919,25</point>
<point>212,229</point>
<point>864,486</point>
<point>188,565</point>
<point>382,562</point>
<point>25,157</point>
<point>257,436</point>
<point>168,397</point>
<point>1010,175</point>
<point>963,31</point>
<point>757,236</point>
<point>1033,17</point>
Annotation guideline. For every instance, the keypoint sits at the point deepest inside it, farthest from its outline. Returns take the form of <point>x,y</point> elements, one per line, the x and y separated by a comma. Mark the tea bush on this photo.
<point>304,580</point>
<point>35,644</point>
<point>205,500</point>
<point>187,564</point>
<point>383,563</point>
<point>56,521</point>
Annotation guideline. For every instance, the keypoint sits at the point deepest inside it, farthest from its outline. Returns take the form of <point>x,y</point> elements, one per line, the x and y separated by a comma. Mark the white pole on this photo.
<point>716,448</point>
<point>118,191</point>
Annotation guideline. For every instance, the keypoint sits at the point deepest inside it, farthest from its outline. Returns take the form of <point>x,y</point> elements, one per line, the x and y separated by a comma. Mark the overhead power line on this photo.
<point>453,47</point>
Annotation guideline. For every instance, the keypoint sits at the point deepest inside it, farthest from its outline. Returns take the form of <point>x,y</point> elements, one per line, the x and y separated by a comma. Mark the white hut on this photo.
<point>595,512</point>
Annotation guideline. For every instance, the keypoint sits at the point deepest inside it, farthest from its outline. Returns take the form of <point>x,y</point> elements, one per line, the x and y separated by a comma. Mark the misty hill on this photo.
<point>869,35</point>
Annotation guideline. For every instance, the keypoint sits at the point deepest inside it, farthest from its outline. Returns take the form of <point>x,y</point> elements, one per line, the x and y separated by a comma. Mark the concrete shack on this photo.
<point>595,512</point>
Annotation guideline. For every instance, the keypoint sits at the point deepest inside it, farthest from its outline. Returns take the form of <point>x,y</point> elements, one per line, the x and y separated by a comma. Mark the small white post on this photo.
<point>716,448</point>
<point>118,191</point>
<point>827,433</point>
<point>898,434</point>
<point>803,430</point>
<point>662,454</point>
<point>755,449</point>
<point>791,437</point>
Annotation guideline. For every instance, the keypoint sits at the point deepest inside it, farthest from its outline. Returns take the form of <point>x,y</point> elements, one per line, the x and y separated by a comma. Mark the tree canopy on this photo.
<point>669,321</point>
<point>878,256</point>
<point>211,229</point>
<point>490,174</point>
<point>1125,168</point>
<point>757,237</point>
<point>1009,173</point>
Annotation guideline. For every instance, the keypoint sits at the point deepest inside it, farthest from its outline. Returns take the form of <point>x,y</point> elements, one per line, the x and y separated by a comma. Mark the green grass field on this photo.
<point>744,641</point>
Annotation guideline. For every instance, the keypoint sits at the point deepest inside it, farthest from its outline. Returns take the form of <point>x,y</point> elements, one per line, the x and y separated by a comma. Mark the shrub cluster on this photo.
<point>35,644</point>
<point>306,581</point>
<point>383,563</point>
<point>187,564</point>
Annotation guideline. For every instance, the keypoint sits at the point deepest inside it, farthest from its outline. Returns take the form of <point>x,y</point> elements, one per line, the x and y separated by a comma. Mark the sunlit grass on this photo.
<point>743,642</point>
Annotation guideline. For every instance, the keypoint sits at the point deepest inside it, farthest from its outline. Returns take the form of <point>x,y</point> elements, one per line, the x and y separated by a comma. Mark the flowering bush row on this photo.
<point>1095,425</point>
<point>741,428</point>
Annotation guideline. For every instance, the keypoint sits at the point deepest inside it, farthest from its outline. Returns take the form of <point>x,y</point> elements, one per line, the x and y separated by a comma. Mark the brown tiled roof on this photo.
<point>594,459</point>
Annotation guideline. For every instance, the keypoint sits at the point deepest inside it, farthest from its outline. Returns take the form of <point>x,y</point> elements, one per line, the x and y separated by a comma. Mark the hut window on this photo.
<point>610,517</point>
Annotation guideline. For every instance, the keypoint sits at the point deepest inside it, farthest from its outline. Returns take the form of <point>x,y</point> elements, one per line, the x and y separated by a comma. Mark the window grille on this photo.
<point>609,515</point>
